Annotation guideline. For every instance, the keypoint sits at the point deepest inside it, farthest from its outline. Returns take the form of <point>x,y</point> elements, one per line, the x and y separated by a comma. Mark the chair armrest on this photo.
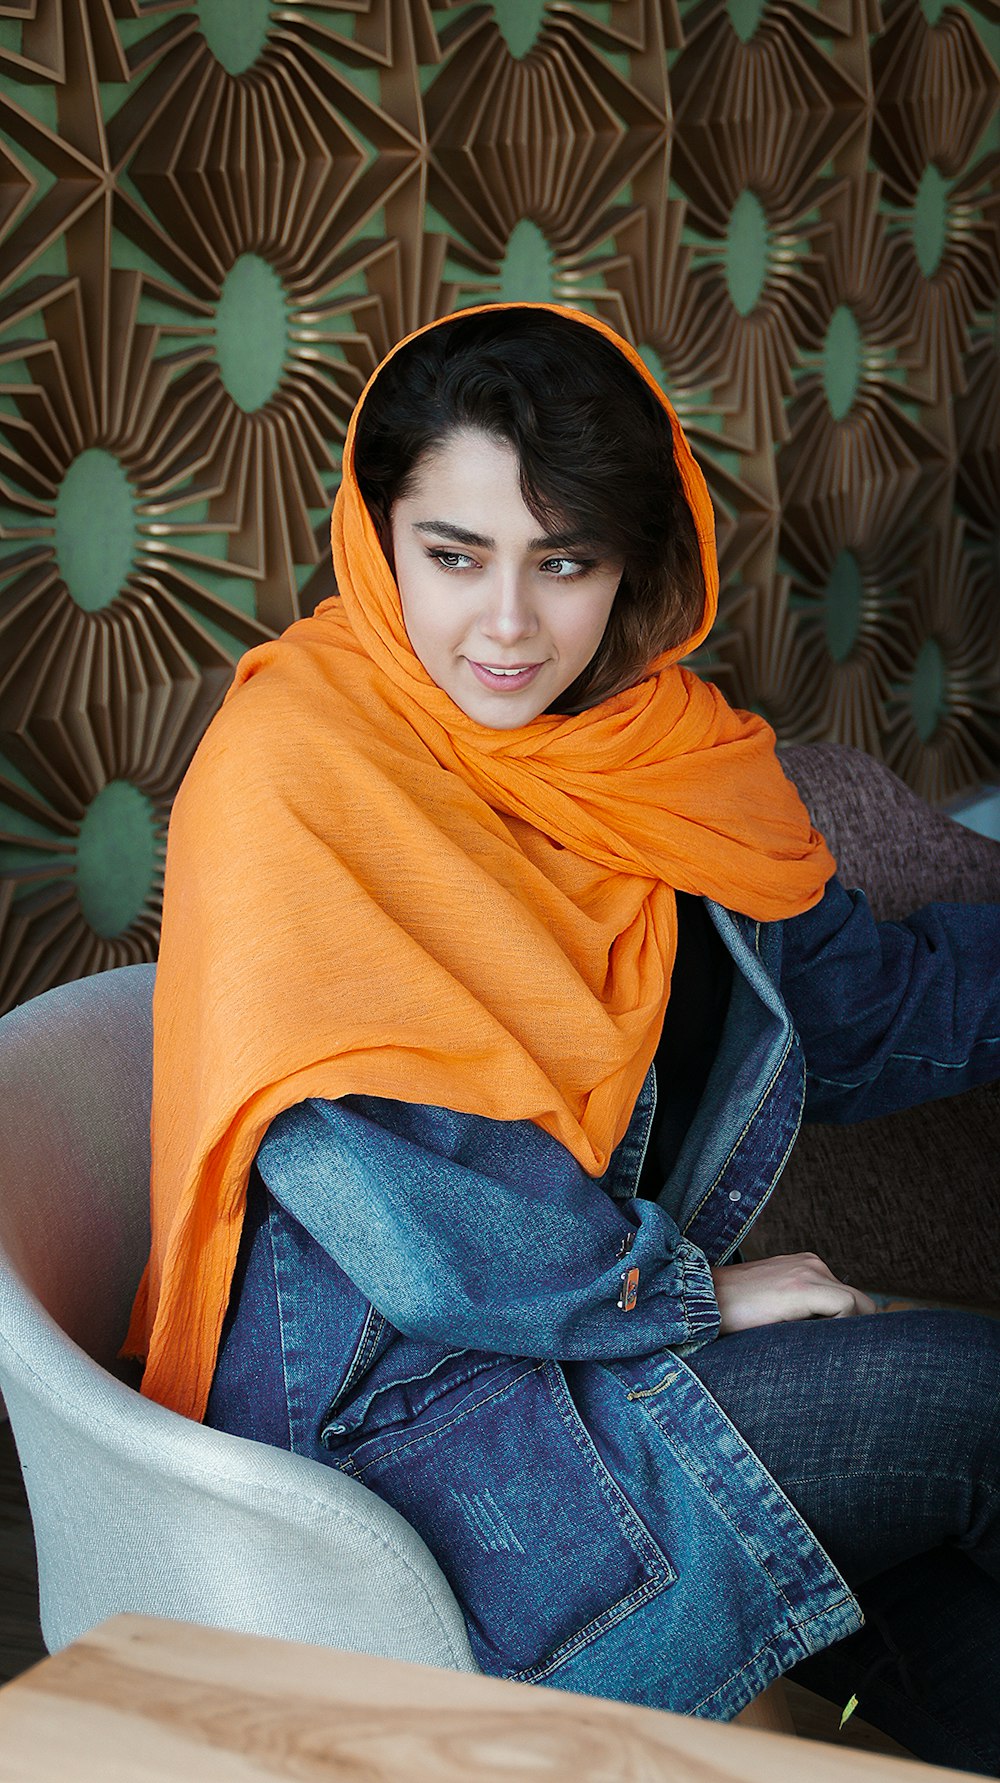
<point>136,1508</point>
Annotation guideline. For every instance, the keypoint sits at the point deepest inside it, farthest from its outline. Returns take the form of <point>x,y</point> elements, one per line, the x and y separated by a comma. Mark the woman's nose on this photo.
<point>509,613</point>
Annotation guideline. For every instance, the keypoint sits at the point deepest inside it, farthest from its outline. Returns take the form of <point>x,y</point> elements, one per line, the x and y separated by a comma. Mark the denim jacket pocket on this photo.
<point>539,1572</point>
<point>400,1385</point>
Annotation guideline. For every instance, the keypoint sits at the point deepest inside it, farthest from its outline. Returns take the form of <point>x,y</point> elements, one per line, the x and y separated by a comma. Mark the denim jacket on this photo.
<point>449,1309</point>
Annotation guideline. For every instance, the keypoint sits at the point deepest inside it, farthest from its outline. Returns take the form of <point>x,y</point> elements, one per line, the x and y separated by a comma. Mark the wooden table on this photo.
<point>140,1700</point>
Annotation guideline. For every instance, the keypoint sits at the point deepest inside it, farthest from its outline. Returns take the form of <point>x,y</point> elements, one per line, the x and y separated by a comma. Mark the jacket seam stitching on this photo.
<point>779,1067</point>
<point>792,1627</point>
<point>769,1191</point>
<point>371,1331</point>
<point>592,1630</point>
<point>429,1436</point>
<point>748,1541</point>
<point>275,1273</point>
<point>611,1491</point>
<point>909,1058</point>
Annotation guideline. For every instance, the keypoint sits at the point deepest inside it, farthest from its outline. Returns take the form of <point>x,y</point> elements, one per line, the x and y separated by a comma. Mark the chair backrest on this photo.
<point>75,1086</point>
<point>135,1508</point>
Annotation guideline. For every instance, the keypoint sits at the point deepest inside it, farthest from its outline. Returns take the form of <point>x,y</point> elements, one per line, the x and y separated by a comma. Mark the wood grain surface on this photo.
<point>140,1700</point>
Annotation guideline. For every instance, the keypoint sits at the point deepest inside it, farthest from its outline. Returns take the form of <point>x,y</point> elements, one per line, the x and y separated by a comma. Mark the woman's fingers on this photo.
<point>771,1290</point>
<point>823,1292</point>
<point>832,1298</point>
<point>862,1303</point>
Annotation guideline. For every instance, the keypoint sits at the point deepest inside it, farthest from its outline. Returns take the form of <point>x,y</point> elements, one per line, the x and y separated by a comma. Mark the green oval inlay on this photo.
<point>235,31</point>
<point>526,272</point>
<point>520,22</point>
<point>96,538</point>
<point>251,331</point>
<point>652,361</point>
<point>843,603</point>
<point>745,16</point>
<point>932,10</point>
<point>842,361</point>
<point>930,219</point>
<point>929,690</point>
<point>116,857</point>
<point>747,243</point>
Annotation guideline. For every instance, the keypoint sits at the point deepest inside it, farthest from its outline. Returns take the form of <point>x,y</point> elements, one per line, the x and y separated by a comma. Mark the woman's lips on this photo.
<point>504,683</point>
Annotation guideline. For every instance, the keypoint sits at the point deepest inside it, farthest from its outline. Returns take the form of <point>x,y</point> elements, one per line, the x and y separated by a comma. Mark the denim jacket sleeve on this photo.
<point>484,1234</point>
<point>891,1014</point>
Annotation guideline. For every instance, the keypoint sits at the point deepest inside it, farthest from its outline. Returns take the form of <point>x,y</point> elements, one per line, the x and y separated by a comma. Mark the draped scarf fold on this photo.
<point>368,892</point>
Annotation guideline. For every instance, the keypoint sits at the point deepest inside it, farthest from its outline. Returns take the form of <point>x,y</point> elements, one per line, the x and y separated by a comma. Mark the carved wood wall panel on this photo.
<point>217,218</point>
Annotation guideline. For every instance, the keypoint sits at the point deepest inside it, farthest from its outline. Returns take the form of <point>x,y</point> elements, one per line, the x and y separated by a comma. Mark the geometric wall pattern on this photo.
<point>217,218</point>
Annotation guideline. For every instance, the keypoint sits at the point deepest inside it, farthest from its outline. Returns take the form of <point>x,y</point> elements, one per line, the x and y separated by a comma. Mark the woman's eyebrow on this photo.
<point>460,535</point>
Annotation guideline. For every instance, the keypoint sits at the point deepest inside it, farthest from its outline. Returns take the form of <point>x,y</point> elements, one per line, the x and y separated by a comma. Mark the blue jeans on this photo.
<point>884,1431</point>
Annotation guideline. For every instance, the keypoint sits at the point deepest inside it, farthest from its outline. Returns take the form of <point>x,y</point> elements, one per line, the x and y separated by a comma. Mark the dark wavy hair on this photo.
<point>595,452</point>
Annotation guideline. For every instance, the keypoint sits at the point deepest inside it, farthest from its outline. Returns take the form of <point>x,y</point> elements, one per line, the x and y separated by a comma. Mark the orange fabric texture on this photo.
<point>343,917</point>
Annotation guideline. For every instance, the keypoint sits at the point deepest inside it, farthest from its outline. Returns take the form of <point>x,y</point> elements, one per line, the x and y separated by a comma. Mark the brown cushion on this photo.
<point>907,1203</point>
<point>887,839</point>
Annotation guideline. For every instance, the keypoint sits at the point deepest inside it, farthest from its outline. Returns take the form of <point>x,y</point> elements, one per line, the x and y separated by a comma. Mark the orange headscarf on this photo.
<point>342,917</point>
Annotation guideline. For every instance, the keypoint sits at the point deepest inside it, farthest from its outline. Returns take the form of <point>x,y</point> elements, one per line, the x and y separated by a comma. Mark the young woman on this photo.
<point>500,962</point>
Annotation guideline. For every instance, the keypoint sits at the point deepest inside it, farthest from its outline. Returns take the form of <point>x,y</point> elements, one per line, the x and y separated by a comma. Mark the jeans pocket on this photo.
<point>538,1541</point>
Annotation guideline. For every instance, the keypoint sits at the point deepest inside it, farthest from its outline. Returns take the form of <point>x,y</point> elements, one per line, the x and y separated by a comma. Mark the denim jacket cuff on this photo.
<point>701,1308</point>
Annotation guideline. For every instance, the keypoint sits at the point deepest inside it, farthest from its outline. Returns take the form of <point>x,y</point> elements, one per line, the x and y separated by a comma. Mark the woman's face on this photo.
<point>501,618</point>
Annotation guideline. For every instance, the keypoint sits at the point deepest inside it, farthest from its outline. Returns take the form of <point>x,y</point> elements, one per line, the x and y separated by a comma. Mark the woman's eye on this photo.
<point>577,567</point>
<point>454,562</point>
<point>449,560</point>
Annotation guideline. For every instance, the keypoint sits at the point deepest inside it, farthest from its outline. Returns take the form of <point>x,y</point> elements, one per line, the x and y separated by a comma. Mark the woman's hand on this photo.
<point>774,1289</point>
